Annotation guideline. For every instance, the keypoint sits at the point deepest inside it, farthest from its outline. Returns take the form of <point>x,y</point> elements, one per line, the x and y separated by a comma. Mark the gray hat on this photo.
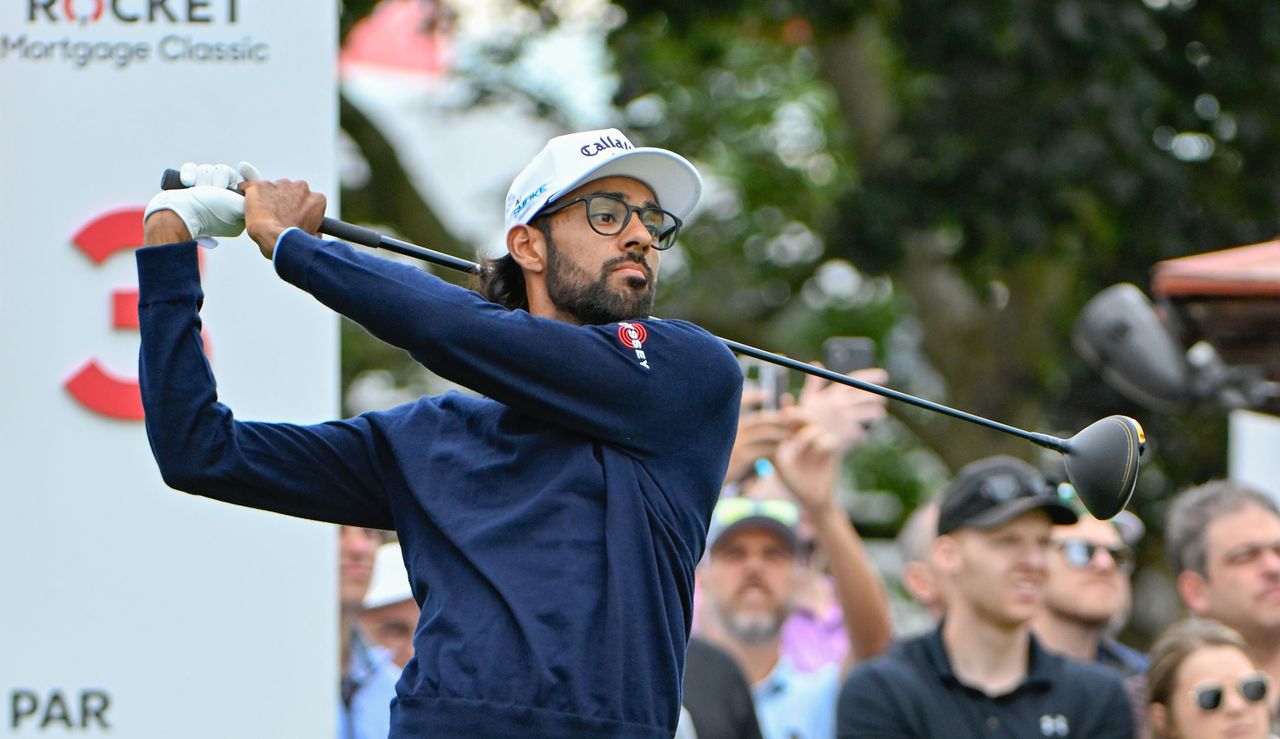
<point>777,516</point>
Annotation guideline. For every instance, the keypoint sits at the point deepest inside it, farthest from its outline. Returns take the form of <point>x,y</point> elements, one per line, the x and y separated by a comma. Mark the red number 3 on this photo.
<point>95,387</point>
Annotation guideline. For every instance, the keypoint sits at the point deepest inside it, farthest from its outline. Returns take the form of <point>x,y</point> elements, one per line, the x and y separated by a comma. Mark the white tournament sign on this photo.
<point>129,609</point>
<point>1251,454</point>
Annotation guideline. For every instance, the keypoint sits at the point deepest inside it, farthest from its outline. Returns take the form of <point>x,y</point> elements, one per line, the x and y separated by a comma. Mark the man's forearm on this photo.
<point>322,472</point>
<point>861,594</point>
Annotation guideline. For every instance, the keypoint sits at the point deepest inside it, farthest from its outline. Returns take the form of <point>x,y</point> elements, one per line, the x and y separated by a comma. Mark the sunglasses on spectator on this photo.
<point>732,510</point>
<point>1253,688</point>
<point>1078,553</point>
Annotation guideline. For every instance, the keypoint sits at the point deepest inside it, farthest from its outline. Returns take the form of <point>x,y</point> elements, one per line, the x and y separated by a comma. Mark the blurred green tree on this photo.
<point>999,162</point>
<point>952,179</point>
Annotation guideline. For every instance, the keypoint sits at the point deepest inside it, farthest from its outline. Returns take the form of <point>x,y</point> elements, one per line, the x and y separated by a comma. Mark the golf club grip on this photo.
<point>171,179</point>
<point>351,233</point>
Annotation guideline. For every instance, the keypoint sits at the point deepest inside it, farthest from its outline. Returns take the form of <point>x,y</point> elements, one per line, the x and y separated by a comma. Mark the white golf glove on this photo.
<point>207,207</point>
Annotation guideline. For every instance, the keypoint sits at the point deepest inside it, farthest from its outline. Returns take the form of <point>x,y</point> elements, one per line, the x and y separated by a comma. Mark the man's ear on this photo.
<point>1192,587</point>
<point>918,581</point>
<point>1158,717</point>
<point>946,553</point>
<point>527,247</point>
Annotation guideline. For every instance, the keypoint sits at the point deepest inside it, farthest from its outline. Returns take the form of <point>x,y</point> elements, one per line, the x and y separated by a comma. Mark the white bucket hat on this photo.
<point>390,582</point>
<point>570,160</point>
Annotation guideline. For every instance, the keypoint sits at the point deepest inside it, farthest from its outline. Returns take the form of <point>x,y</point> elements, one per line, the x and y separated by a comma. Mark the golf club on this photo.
<point>1101,460</point>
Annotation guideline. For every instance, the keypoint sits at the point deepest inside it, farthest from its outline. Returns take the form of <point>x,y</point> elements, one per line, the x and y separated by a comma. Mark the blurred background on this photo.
<point>957,181</point>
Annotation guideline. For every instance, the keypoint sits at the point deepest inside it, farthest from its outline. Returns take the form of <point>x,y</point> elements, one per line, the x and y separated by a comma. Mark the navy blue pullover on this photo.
<point>550,528</point>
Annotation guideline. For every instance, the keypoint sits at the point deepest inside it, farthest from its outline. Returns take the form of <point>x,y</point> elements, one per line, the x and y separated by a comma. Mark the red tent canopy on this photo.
<point>403,35</point>
<point>1230,298</point>
<point>1238,272</point>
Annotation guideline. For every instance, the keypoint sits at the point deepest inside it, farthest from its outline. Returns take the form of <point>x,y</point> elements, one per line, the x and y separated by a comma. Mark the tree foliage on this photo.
<point>999,162</point>
<point>955,180</point>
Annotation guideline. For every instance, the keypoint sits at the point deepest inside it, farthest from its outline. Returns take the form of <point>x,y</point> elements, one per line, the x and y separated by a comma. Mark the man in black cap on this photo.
<point>981,672</point>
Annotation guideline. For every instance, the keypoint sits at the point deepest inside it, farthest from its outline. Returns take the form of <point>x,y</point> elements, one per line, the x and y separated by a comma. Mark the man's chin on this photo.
<point>755,629</point>
<point>633,305</point>
<point>605,305</point>
<point>1087,620</point>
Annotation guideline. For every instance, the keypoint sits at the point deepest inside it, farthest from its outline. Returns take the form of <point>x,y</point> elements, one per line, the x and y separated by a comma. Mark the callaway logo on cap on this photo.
<point>570,160</point>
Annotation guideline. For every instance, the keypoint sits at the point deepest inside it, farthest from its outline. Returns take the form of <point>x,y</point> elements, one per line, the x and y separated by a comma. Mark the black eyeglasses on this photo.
<point>608,215</point>
<point>1079,553</point>
<point>1253,688</point>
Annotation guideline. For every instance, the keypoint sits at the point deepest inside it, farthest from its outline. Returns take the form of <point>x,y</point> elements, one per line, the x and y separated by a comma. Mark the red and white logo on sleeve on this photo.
<point>632,336</point>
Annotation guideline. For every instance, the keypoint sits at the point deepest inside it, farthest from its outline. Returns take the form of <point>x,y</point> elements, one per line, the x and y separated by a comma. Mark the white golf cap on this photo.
<point>570,160</point>
<point>390,583</point>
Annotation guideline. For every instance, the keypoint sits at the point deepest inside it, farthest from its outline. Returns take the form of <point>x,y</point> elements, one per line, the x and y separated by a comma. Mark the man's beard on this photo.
<point>749,628</point>
<point>753,628</point>
<point>572,290</point>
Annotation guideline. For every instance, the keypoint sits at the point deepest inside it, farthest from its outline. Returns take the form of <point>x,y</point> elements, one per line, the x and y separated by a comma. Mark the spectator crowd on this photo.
<point>792,635</point>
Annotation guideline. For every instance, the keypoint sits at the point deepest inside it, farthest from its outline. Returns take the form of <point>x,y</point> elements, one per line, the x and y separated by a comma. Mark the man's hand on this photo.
<point>272,207</point>
<point>808,463</point>
<point>759,433</point>
<point>844,411</point>
<point>205,210</point>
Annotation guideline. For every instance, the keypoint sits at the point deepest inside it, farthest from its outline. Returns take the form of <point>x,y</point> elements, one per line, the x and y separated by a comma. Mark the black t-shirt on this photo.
<point>716,694</point>
<point>912,692</point>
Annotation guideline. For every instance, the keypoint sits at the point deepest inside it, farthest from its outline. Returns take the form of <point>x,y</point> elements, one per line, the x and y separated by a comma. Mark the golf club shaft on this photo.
<point>371,238</point>
<point>171,180</point>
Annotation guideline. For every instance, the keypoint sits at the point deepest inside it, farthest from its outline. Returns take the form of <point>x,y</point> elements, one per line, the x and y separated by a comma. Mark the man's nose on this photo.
<point>1103,559</point>
<point>755,564</point>
<point>1271,560</point>
<point>1034,556</point>
<point>636,234</point>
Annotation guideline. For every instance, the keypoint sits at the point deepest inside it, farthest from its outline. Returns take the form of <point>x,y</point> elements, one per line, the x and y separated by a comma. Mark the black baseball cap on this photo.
<point>993,491</point>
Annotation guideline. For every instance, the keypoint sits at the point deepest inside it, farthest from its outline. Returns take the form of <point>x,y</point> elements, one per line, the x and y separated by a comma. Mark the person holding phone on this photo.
<point>755,567</point>
<point>835,417</point>
<point>769,415</point>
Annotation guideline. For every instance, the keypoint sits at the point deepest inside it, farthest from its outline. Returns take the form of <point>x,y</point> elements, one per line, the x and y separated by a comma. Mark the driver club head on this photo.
<point>1102,463</point>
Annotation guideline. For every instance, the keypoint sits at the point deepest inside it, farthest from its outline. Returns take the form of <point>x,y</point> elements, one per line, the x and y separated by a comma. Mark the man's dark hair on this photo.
<point>501,281</point>
<point>1187,524</point>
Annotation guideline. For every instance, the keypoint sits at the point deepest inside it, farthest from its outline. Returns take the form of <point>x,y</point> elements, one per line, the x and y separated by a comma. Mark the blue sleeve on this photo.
<point>592,380</point>
<point>326,472</point>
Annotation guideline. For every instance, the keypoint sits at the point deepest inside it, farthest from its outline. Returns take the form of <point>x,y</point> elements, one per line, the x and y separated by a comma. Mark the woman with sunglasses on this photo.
<point>1203,684</point>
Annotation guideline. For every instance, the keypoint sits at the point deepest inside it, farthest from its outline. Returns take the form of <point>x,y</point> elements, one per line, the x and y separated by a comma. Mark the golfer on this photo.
<point>550,527</point>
